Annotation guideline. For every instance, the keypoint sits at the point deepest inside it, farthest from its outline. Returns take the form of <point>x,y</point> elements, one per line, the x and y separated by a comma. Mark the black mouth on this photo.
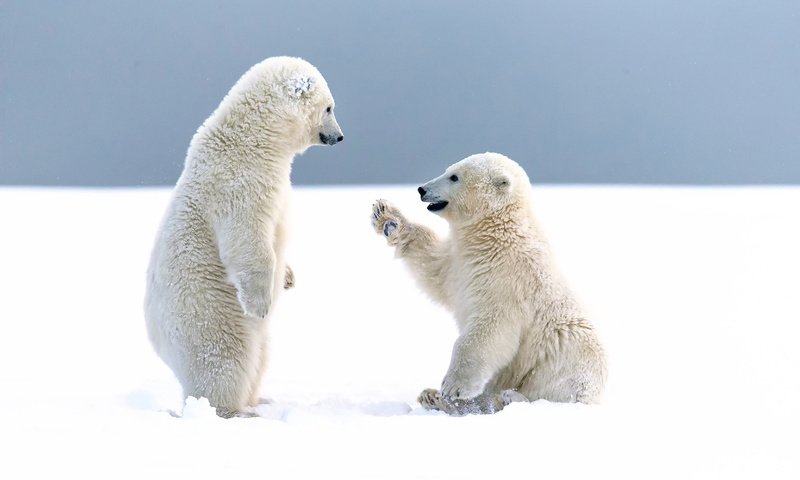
<point>436,206</point>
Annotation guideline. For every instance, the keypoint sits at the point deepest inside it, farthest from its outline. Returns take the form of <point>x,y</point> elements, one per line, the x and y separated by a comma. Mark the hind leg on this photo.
<point>227,393</point>
<point>581,384</point>
<point>431,399</point>
<point>221,369</point>
<point>485,403</point>
<point>261,365</point>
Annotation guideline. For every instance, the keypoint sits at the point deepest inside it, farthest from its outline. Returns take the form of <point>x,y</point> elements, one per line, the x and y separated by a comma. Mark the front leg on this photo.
<point>426,256</point>
<point>489,344</point>
<point>245,249</point>
<point>466,376</point>
<point>387,221</point>
<point>254,291</point>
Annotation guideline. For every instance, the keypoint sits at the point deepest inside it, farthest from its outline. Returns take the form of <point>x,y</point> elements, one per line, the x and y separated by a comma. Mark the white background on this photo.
<point>694,293</point>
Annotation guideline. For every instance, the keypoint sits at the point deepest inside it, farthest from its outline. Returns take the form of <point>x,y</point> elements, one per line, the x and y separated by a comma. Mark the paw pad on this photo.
<point>389,227</point>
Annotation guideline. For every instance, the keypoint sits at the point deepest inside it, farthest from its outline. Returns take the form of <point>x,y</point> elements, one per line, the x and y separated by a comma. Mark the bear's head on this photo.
<point>476,187</point>
<point>307,89</point>
<point>307,95</point>
<point>290,101</point>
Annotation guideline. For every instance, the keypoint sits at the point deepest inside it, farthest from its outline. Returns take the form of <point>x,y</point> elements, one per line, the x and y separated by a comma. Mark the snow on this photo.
<point>298,85</point>
<point>694,292</point>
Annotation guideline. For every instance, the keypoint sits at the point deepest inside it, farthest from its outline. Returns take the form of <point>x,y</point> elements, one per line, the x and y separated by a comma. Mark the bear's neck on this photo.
<point>496,231</point>
<point>251,152</point>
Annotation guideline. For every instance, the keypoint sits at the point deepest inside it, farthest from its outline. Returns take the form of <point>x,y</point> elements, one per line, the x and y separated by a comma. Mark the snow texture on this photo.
<point>693,290</point>
<point>298,85</point>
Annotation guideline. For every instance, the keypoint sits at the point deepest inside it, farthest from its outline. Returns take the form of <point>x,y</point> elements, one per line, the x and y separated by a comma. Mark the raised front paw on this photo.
<point>288,280</point>
<point>456,386</point>
<point>386,220</point>
<point>254,291</point>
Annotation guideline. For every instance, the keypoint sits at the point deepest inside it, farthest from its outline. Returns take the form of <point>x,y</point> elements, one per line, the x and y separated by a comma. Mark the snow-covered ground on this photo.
<point>694,292</point>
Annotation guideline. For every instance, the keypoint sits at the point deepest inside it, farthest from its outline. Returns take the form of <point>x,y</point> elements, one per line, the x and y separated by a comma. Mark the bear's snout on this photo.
<point>330,139</point>
<point>421,191</point>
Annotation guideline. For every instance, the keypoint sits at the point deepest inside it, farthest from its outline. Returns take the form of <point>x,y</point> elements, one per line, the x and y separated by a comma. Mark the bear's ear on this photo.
<point>299,85</point>
<point>501,182</point>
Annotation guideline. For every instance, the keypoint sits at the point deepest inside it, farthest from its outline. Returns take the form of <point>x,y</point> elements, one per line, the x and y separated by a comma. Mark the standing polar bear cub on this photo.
<point>522,336</point>
<point>218,261</point>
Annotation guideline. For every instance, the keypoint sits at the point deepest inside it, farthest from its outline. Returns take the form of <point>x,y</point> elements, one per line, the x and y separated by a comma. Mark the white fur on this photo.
<point>519,327</point>
<point>218,261</point>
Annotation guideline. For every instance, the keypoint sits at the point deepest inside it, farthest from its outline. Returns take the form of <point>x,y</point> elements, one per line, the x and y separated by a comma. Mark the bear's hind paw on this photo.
<point>430,399</point>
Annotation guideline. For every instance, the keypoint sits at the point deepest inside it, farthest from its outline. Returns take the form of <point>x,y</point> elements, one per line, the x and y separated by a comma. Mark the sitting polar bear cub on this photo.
<point>522,336</point>
<point>218,260</point>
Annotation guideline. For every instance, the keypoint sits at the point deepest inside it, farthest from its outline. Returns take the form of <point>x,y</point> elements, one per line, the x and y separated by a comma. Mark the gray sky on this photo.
<point>621,91</point>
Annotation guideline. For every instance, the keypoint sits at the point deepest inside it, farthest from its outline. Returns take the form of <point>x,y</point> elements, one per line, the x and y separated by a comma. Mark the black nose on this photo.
<point>340,138</point>
<point>421,191</point>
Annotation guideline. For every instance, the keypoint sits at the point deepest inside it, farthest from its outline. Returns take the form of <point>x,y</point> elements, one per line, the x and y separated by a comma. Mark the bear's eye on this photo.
<point>453,178</point>
<point>328,110</point>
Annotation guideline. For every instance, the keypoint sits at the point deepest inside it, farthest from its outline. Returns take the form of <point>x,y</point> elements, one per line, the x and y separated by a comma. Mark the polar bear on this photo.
<point>218,261</point>
<point>522,335</point>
